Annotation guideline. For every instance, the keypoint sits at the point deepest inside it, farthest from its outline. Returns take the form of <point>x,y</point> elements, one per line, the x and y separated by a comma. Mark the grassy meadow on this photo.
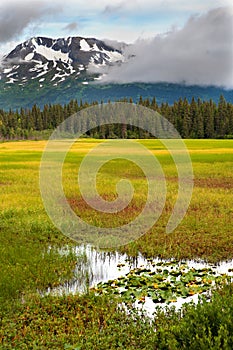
<point>30,260</point>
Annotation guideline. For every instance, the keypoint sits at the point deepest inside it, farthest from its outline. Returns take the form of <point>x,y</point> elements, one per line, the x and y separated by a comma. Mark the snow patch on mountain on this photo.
<point>29,57</point>
<point>84,46</point>
<point>7,70</point>
<point>50,54</point>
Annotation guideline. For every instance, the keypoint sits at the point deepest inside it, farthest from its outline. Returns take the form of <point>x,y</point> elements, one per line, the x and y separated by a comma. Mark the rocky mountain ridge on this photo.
<point>54,60</point>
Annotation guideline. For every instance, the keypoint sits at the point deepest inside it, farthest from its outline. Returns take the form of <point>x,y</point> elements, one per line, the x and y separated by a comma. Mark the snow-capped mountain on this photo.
<point>47,60</point>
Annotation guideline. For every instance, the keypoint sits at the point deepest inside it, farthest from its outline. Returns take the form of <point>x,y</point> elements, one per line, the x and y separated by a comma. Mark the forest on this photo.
<point>197,120</point>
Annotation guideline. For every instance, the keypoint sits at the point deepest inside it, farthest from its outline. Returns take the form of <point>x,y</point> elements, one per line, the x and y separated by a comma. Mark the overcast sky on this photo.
<point>139,21</point>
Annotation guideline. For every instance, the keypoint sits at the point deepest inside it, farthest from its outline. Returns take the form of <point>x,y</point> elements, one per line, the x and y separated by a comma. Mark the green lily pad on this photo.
<point>164,283</point>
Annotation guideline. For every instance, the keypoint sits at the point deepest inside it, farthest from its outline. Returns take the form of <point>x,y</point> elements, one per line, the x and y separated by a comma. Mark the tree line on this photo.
<point>197,119</point>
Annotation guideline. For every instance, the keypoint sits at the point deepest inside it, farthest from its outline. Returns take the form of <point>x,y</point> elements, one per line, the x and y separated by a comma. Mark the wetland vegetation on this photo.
<point>31,259</point>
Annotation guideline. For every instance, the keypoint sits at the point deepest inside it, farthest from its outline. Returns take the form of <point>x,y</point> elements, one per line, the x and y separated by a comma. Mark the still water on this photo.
<point>94,266</point>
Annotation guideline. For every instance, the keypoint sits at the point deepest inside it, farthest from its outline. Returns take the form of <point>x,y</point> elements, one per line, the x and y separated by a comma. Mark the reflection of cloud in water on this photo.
<point>98,266</point>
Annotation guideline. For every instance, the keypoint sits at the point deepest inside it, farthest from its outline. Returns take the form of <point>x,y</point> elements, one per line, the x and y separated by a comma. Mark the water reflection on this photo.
<point>95,266</point>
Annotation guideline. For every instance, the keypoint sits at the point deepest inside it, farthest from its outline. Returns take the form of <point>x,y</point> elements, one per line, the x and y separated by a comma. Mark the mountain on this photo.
<point>44,70</point>
<point>53,61</point>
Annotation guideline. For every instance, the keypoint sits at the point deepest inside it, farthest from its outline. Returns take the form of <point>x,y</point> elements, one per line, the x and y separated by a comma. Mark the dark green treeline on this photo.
<point>197,119</point>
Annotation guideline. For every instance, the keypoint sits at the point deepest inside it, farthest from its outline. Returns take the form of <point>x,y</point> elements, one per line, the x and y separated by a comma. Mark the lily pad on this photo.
<point>162,282</point>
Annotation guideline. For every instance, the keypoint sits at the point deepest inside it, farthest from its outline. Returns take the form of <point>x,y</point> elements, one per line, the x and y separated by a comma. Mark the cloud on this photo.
<point>16,16</point>
<point>199,53</point>
<point>71,27</point>
<point>119,45</point>
<point>113,9</point>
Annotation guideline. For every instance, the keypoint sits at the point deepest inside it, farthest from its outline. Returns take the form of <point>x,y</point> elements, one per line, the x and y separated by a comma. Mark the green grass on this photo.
<point>26,234</point>
<point>206,229</point>
<point>30,259</point>
<point>93,322</point>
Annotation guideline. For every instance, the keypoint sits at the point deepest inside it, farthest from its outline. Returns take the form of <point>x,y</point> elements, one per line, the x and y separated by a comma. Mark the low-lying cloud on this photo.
<point>200,53</point>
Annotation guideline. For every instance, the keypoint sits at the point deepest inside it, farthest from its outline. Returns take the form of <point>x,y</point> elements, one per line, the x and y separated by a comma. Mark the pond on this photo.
<point>147,282</point>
